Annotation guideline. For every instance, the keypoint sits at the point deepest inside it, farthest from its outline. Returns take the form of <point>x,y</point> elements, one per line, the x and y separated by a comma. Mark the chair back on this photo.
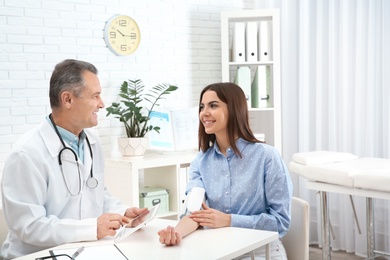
<point>3,229</point>
<point>296,241</point>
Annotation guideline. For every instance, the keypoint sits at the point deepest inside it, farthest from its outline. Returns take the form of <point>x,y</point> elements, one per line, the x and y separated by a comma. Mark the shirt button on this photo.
<point>226,193</point>
<point>227,211</point>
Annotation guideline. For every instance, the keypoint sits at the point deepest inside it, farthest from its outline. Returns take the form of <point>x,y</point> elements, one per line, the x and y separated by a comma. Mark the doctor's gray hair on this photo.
<point>68,76</point>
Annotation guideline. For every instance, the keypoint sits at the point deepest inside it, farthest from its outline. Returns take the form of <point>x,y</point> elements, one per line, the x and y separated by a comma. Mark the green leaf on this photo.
<point>129,110</point>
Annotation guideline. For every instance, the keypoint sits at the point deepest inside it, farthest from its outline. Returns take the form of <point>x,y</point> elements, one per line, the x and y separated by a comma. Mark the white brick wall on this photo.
<point>180,44</point>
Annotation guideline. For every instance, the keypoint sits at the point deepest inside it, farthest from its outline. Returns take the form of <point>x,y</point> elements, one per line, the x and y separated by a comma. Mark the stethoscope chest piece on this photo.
<point>92,182</point>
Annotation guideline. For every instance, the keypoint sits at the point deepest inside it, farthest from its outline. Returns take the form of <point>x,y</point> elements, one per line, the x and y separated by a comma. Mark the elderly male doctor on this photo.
<point>53,184</point>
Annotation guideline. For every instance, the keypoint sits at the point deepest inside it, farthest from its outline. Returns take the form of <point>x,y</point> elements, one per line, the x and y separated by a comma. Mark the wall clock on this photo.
<point>122,35</point>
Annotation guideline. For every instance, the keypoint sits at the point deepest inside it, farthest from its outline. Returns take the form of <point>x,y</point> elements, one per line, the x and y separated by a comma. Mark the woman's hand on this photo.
<point>169,236</point>
<point>209,217</point>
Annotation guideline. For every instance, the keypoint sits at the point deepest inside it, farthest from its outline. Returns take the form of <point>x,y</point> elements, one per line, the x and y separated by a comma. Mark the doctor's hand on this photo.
<point>108,223</point>
<point>169,237</point>
<point>209,217</point>
<point>135,212</point>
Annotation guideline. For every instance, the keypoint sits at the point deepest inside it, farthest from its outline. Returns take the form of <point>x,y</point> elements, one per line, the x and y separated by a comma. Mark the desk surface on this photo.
<point>221,243</point>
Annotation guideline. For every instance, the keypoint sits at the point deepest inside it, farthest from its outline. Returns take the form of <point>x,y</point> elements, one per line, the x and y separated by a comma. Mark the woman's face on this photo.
<point>213,114</point>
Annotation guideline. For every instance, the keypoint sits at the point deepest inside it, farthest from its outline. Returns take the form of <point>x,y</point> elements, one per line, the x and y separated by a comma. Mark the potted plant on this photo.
<point>135,117</point>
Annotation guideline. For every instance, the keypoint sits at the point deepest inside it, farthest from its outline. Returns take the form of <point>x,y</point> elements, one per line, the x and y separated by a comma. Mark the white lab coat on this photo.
<point>37,206</point>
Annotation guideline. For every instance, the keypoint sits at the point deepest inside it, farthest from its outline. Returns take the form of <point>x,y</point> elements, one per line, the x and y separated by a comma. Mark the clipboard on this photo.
<point>139,221</point>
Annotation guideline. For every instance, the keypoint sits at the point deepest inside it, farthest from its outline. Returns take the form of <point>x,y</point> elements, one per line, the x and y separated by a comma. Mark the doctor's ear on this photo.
<point>66,99</point>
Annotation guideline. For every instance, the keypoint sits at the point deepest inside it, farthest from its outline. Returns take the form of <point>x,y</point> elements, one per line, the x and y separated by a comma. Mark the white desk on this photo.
<point>220,243</point>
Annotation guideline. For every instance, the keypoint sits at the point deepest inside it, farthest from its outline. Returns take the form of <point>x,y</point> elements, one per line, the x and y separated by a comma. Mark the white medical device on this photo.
<point>195,199</point>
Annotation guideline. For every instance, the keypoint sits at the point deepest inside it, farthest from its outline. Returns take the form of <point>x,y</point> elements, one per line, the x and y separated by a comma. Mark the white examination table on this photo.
<point>344,173</point>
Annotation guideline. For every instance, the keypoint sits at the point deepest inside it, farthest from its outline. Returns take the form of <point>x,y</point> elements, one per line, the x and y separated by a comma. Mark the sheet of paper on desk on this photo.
<point>92,252</point>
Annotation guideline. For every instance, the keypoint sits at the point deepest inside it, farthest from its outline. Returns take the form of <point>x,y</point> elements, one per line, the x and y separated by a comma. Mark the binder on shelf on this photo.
<point>261,91</point>
<point>265,43</point>
<point>251,42</point>
<point>243,79</point>
<point>238,44</point>
<point>178,129</point>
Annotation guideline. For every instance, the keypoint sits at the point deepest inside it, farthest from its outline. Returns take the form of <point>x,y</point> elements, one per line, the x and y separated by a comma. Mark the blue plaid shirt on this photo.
<point>255,189</point>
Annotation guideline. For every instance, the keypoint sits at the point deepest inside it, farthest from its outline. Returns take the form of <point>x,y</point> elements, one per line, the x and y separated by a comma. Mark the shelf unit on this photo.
<point>266,120</point>
<point>124,175</point>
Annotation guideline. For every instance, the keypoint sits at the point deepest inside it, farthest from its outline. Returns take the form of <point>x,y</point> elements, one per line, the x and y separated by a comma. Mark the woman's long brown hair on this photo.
<point>238,119</point>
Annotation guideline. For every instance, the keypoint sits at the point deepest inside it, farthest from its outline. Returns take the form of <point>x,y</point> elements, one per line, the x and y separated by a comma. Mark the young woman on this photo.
<point>247,183</point>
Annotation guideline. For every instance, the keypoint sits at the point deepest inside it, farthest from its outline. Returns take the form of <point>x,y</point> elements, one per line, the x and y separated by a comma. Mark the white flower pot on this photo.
<point>135,146</point>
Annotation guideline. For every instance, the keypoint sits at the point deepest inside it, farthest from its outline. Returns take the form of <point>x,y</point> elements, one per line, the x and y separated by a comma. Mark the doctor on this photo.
<point>53,184</point>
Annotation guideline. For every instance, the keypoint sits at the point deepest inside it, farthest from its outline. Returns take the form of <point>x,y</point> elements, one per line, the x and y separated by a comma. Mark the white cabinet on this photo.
<point>261,27</point>
<point>125,175</point>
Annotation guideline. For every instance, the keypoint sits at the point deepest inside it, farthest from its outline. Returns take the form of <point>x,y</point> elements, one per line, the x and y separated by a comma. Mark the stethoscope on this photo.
<point>92,182</point>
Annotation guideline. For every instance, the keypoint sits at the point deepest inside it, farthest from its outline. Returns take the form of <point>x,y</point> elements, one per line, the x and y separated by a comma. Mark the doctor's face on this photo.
<point>84,109</point>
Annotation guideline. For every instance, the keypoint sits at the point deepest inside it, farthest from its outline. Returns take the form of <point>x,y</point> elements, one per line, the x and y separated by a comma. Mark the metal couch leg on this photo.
<point>253,255</point>
<point>325,227</point>
<point>370,228</point>
<point>354,214</point>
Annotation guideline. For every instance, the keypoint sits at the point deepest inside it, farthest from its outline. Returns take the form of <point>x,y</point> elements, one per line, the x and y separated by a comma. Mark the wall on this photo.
<point>180,44</point>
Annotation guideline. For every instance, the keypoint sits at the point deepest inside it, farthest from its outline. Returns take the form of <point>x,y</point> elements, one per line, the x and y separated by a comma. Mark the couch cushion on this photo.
<point>374,174</point>
<point>321,157</point>
<point>364,173</point>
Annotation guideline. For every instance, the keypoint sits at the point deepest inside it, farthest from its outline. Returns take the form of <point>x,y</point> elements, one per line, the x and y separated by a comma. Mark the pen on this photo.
<point>78,252</point>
